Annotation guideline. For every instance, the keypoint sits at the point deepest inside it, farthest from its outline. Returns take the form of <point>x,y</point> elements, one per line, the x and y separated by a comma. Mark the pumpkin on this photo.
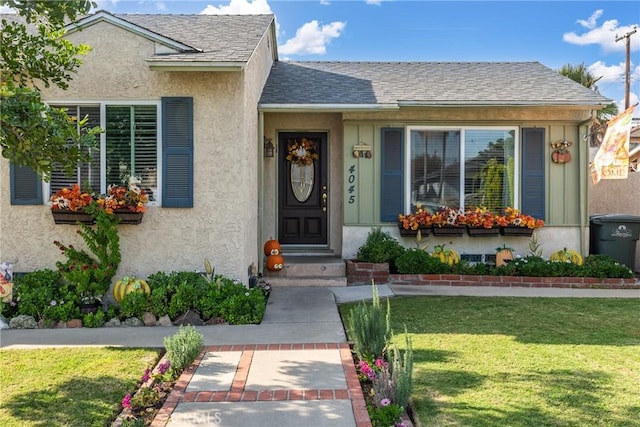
<point>272,247</point>
<point>561,156</point>
<point>275,263</point>
<point>127,285</point>
<point>503,255</point>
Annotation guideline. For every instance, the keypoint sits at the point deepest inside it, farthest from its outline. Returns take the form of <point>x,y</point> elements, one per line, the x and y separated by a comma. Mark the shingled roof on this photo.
<point>194,38</point>
<point>393,84</point>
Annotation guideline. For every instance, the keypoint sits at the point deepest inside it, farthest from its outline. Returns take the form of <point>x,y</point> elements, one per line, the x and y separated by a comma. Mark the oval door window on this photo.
<point>302,181</point>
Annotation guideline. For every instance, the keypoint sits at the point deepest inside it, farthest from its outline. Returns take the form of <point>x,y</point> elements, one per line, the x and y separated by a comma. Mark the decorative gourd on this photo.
<point>503,254</point>
<point>272,247</point>
<point>446,256</point>
<point>127,285</point>
<point>275,263</point>
<point>566,255</point>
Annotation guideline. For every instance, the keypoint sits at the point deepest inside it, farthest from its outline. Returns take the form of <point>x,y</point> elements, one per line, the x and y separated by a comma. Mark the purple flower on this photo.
<point>146,375</point>
<point>126,402</point>
<point>164,367</point>
<point>53,303</point>
<point>385,402</point>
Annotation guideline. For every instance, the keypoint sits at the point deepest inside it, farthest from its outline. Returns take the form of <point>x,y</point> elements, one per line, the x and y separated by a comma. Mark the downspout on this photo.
<point>584,183</point>
<point>260,189</point>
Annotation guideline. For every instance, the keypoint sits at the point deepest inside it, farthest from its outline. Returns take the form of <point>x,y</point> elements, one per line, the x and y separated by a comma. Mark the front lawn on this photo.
<point>76,386</point>
<point>522,361</point>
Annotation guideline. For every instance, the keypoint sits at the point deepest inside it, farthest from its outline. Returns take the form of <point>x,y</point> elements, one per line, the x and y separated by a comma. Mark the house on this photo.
<point>238,147</point>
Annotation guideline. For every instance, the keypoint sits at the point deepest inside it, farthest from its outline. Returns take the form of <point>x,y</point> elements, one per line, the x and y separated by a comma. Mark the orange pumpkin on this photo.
<point>275,263</point>
<point>272,247</point>
<point>503,255</point>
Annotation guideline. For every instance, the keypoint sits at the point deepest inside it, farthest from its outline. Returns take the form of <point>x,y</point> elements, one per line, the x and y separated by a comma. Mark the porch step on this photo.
<point>309,270</point>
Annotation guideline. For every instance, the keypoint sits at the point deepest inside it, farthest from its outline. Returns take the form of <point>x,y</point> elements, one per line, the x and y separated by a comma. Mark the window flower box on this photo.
<point>129,217</point>
<point>409,232</point>
<point>448,230</point>
<point>513,230</point>
<point>71,217</point>
<point>475,231</point>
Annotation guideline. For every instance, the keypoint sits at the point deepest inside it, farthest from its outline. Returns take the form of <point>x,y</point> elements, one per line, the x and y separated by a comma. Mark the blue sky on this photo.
<point>551,32</point>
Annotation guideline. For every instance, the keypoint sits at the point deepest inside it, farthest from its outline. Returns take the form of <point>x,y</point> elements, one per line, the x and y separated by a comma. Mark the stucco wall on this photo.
<point>616,196</point>
<point>222,224</point>
<point>287,122</point>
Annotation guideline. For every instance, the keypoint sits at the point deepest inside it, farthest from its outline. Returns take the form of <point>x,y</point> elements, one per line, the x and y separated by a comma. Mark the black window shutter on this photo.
<point>533,197</point>
<point>177,152</point>
<point>26,187</point>
<point>392,174</point>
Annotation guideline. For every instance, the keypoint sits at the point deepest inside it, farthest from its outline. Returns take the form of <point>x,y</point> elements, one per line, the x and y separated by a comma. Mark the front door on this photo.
<point>303,188</point>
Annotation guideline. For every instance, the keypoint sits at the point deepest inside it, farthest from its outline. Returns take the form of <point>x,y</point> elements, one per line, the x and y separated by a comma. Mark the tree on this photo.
<point>580,73</point>
<point>33,52</point>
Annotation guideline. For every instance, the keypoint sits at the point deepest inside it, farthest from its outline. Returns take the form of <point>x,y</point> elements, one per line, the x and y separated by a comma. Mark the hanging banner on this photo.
<point>612,159</point>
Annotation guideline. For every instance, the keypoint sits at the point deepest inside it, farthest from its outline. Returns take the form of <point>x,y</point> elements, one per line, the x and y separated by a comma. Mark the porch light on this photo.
<point>268,147</point>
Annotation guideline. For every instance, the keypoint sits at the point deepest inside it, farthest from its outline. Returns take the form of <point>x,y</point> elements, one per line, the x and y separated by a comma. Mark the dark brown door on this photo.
<point>303,188</point>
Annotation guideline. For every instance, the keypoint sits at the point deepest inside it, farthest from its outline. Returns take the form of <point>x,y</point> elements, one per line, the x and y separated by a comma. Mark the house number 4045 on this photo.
<point>351,183</point>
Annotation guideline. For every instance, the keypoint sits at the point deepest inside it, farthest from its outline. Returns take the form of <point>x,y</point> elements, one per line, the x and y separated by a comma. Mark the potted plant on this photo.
<point>481,222</point>
<point>127,203</point>
<point>409,224</point>
<point>515,223</point>
<point>448,221</point>
<point>68,205</point>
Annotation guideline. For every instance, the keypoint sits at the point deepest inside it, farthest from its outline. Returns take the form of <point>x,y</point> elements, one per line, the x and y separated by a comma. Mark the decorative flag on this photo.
<point>612,159</point>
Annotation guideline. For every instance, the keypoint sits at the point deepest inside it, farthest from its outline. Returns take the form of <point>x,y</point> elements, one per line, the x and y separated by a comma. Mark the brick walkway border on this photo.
<point>237,393</point>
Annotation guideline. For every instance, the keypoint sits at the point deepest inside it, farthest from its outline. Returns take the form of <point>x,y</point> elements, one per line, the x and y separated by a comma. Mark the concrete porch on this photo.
<point>308,270</point>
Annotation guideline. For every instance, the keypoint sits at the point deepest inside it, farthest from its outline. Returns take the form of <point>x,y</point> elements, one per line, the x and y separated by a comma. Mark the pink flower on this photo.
<point>385,402</point>
<point>126,402</point>
<point>146,375</point>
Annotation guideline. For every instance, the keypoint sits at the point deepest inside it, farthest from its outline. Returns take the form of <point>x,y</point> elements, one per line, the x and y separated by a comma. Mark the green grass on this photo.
<point>76,386</point>
<point>522,361</point>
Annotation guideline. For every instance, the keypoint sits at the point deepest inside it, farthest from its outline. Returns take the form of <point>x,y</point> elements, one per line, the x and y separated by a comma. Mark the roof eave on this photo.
<point>325,108</point>
<point>506,103</point>
<point>103,16</point>
<point>167,65</point>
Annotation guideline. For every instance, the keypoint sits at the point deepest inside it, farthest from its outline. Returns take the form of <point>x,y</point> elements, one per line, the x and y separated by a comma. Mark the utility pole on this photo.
<point>627,72</point>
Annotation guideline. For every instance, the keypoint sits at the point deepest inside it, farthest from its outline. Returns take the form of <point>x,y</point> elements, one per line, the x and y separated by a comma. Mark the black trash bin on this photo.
<point>616,236</point>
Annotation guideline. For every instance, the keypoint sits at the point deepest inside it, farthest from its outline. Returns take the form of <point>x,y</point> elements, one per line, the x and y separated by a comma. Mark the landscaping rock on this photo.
<point>216,321</point>
<point>132,322</point>
<point>189,318</point>
<point>74,323</point>
<point>61,325</point>
<point>113,323</point>
<point>47,324</point>
<point>4,324</point>
<point>23,322</point>
<point>149,319</point>
<point>165,321</point>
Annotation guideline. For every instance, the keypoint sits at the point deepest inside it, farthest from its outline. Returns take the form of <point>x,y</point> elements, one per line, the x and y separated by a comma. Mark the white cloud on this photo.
<point>325,2</point>
<point>608,73</point>
<point>604,35</point>
<point>240,7</point>
<point>312,39</point>
<point>592,21</point>
<point>374,2</point>
<point>161,6</point>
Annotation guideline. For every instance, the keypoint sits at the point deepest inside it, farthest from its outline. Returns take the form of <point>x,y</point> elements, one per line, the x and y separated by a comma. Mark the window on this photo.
<point>462,167</point>
<point>127,147</point>
<point>151,140</point>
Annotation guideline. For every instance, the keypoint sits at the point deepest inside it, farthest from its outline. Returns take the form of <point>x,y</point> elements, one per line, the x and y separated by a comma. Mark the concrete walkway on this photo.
<point>294,369</point>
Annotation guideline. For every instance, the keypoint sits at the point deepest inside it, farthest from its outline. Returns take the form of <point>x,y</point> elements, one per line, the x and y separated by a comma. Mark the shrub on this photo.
<point>417,261</point>
<point>380,247</point>
<point>134,304</point>
<point>402,371</point>
<point>233,301</point>
<point>43,295</point>
<point>369,327</point>
<point>182,348</point>
<point>93,320</point>
<point>604,266</point>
